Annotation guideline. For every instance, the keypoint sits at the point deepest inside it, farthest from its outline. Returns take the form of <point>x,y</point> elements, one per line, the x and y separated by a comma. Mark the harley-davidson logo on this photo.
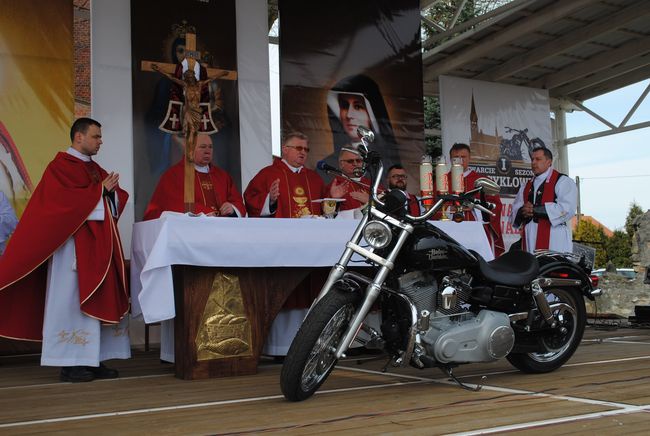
<point>437,253</point>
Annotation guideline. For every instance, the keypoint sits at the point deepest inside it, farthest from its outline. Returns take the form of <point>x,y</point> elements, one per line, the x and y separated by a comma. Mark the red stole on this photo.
<point>543,224</point>
<point>413,205</point>
<point>207,193</point>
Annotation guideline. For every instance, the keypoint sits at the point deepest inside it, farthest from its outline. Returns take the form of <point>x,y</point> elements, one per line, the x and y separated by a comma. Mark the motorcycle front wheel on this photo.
<point>560,343</point>
<point>311,356</point>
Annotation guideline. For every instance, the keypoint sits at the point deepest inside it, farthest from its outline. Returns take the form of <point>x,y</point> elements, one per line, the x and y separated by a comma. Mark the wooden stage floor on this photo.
<point>604,389</point>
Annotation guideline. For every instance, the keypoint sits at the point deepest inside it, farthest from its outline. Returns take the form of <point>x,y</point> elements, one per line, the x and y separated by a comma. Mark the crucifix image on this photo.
<point>190,116</point>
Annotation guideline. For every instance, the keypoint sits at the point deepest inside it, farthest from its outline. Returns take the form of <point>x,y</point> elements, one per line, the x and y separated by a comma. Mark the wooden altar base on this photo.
<point>602,390</point>
<point>263,290</point>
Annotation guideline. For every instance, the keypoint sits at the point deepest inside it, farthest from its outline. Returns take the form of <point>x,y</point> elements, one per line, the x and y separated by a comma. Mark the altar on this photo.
<point>231,277</point>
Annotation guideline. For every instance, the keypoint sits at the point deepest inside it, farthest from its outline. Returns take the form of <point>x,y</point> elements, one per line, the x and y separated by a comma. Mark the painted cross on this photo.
<point>174,119</point>
<point>205,120</point>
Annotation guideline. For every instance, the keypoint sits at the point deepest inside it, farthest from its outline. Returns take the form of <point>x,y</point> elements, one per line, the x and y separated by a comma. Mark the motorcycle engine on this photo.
<point>421,288</point>
<point>455,334</point>
<point>469,338</point>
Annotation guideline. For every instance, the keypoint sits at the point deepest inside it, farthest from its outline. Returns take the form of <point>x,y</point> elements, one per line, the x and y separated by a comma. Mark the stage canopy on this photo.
<point>576,49</point>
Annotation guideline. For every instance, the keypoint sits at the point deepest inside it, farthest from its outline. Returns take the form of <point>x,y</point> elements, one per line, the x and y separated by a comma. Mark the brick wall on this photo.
<point>81,58</point>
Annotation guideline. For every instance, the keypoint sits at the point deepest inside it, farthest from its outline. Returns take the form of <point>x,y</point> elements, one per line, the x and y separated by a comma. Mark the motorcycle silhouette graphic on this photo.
<point>519,146</point>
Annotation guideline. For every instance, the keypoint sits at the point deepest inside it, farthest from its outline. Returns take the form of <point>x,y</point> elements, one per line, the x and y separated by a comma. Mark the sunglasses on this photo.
<point>352,161</point>
<point>299,148</point>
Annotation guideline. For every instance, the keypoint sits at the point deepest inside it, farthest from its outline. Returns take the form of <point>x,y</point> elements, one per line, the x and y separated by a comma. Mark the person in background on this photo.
<point>397,179</point>
<point>8,221</point>
<point>357,190</point>
<point>215,194</point>
<point>62,277</point>
<point>491,223</point>
<point>544,206</point>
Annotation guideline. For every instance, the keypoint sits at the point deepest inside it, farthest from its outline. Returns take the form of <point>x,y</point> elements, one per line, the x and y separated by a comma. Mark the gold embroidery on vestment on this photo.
<point>75,337</point>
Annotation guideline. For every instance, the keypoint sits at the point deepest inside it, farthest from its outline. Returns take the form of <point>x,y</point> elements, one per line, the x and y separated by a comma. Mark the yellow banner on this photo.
<point>36,91</point>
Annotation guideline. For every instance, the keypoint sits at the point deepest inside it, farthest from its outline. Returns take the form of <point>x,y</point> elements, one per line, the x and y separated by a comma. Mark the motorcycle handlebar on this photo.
<point>374,160</point>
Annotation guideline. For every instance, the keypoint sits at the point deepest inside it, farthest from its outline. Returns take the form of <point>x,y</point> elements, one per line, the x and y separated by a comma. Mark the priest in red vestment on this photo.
<point>215,194</point>
<point>63,275</point>
<point>544,206</point>
<point>286,189</point>
<point>492,223</point>
<point>357,190</point>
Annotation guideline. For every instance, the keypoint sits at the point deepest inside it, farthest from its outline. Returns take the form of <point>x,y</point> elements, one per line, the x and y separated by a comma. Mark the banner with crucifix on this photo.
<point>172,41</point>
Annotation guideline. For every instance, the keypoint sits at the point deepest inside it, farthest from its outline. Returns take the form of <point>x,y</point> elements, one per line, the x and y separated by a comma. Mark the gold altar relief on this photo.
<point>224,330</point>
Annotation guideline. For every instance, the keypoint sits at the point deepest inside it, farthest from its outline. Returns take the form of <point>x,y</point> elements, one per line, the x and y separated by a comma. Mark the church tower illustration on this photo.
<point>484,146</point>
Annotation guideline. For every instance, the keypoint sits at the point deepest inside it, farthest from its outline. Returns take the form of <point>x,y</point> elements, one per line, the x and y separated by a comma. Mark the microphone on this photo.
<point>324,166</point>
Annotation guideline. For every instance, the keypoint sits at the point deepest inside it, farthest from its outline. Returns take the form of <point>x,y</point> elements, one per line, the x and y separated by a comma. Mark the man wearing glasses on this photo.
<point>397,179</point>
<point>286,189</point>
<point>356,189</point>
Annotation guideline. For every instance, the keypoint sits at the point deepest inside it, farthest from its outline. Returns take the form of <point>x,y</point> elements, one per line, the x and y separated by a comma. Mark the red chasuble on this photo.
<point>68,192</point>
<point>211,190</point>
<point>351,203</point>
<point>297,190</point>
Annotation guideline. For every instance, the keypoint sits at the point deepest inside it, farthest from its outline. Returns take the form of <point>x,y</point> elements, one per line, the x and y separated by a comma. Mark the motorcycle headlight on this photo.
<point>377,234</point>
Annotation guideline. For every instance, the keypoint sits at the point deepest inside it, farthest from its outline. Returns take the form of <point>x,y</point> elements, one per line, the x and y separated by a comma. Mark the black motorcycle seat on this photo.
<point>514,268</point>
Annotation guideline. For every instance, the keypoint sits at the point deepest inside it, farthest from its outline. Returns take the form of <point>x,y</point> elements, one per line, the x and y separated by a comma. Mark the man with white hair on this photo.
<point>355,189</point>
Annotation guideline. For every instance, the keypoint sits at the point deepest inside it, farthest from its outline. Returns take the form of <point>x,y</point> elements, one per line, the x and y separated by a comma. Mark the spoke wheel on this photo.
<point>558,344</point>
<point>311,356</point>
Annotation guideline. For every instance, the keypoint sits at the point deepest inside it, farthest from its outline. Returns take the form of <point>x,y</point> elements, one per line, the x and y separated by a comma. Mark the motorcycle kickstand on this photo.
<point>450,372</point>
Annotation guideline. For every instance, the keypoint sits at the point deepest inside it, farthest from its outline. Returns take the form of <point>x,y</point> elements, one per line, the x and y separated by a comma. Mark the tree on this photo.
<point>619,249</point>
<point>590,234</point>
<point>432,121</point>
<point>441,13</point>
<point>634,211</point>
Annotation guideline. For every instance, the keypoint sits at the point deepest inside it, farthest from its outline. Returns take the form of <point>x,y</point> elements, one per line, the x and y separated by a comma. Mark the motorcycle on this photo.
<point>442,305</point>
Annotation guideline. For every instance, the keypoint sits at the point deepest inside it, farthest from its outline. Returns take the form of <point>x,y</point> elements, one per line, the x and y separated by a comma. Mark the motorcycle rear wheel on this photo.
<point>560,345</point>
<point>311,358</point>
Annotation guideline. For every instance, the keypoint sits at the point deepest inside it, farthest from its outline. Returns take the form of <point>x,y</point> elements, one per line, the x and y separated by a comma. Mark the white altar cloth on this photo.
<point>177,239</point>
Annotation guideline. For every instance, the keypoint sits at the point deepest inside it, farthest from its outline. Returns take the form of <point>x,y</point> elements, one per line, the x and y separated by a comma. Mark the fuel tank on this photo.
<point>430,248</point>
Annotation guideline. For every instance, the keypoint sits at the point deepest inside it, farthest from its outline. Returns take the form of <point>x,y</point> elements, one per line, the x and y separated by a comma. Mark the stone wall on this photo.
<point>620,295</point>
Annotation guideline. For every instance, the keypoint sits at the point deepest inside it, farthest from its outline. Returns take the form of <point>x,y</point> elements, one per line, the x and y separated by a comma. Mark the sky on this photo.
<point>614,170</point>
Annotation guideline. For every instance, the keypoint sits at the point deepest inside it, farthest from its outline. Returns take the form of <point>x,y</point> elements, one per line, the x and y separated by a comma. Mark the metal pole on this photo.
<point>578,214</point>
<point>562,162</point>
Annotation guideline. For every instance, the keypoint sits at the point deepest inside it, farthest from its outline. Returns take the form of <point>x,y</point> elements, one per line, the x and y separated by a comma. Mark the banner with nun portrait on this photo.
<point>348,64</point>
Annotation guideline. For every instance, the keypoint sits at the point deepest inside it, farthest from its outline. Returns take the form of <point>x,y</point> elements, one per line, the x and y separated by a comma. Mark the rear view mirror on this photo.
<point>490,187</point>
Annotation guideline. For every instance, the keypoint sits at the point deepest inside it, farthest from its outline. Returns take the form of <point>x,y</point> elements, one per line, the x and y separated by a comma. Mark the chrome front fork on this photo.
<point>372,292</point>
<point>337,271</point>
